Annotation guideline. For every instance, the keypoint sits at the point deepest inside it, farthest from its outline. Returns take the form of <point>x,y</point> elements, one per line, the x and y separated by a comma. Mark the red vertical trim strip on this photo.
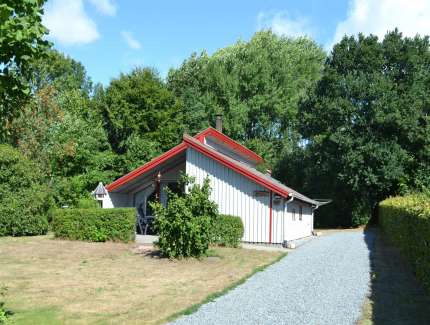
<point>270,217</point>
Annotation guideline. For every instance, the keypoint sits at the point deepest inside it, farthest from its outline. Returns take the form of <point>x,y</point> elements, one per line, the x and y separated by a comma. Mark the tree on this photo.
<point>139,104</point>
<point>21,42</point>
<point>256,85</point>
<point>367,124</point>
<point>60,72</point>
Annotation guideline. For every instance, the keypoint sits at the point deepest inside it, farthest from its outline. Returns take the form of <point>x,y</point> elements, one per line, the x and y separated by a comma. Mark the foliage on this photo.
<point>227,230</point>
<point>256,85</point>
<point>61,72</point>
<point>139,104</point>
<point>87,203</point>
<point>139,151</point>
<point>4,314</point>
<point>184,225</point>
<point>21,42</point>
<point>366,125</point>
<point>16,172</point>
<point>24,199</point>
<point>71,148</point>
<point>25,212</point>
<point>95,224</point>
<point>406,223</point>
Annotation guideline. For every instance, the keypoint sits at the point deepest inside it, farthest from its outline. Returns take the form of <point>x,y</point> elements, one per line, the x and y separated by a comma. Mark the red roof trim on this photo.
<point>229,142</point>
<point>149,165</point>
<point>195,144</point>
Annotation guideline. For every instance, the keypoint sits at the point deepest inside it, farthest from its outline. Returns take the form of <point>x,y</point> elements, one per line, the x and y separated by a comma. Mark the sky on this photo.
<point>114,36</point>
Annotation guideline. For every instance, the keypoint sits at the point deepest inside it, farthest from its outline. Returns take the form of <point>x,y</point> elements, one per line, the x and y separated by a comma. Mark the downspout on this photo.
<point>270,217</point>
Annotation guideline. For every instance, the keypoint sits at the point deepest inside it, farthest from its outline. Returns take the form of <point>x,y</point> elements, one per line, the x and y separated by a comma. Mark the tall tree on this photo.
<point>367,124</point>
<point>139,105</point>
<point>21,41</point>
<point>256,85</point>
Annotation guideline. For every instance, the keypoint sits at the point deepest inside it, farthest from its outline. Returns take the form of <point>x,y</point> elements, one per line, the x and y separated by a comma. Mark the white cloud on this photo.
<point>105,7</point>
<point>379,16</point>
<point>282,23</point>
<point>130,40</point>
<point>68,23</point>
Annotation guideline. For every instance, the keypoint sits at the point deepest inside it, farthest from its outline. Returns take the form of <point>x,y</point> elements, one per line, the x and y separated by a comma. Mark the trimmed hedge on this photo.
<point>227,230</point>
<point>405,221</point>
<point>95,224</point>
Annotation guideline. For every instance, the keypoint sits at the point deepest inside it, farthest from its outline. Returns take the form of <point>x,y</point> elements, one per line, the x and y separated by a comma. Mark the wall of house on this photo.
<point>296,228</point>
<point>234,195</point>
<point>117,200</point>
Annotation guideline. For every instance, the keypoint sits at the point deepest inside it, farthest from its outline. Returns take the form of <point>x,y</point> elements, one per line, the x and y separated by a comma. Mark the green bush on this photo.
<point>24,213</point>
<point>24,202</point>
<point>95,224</point>
<point>405,221</point>
<point>227,230</point>
<point>87,203</point>
<point>4,314</point>
<point>184,224</point>
<point>16,171</point>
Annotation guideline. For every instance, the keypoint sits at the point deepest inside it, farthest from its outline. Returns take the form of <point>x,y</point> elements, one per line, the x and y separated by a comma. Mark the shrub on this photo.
<point>87,203</point>
<point>405,221</point>
<point>24,213</point>
<point>24,202</point>
<point>227,230</point>
<point>4,314</point>
<point>184,224</point>
<point>16,171</point>
<point>95,224</point>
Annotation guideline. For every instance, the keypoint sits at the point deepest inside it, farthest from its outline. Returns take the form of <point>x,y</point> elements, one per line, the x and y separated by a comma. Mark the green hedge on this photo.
<point>95,224</point>
<point>227,230</point>
<point>405,221</point>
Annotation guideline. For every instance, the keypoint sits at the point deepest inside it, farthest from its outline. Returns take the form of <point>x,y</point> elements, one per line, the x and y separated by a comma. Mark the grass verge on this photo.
<point>396,298</point>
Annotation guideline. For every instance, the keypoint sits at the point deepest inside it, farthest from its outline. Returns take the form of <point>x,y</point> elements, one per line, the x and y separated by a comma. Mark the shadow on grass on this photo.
<point>396,297</point>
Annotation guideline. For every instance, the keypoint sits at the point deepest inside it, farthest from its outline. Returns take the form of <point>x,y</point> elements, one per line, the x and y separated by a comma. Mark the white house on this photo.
<point>271,212</point>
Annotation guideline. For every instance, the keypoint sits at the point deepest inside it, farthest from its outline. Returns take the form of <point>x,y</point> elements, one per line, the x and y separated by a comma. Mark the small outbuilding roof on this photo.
<point>100,189</point>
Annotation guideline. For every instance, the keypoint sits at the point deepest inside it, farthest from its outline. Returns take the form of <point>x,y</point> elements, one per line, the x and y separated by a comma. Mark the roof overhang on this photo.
<point>146,167</point>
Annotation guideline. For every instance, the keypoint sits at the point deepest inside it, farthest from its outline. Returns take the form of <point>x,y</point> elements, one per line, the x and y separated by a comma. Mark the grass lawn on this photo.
<point>54,281</point>
<point>396,297</point>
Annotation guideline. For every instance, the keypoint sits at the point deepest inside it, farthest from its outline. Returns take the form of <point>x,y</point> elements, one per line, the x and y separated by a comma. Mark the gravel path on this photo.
<point>322,282</point>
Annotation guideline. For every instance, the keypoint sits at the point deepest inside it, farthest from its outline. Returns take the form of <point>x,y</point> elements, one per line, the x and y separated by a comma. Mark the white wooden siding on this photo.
<point>297,228</point>
<point>234,195</point>
<point>117,200</point>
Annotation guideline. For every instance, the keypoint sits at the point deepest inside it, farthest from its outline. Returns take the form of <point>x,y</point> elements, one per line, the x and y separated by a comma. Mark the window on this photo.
<point>294,214</point>
<point>300,213</point>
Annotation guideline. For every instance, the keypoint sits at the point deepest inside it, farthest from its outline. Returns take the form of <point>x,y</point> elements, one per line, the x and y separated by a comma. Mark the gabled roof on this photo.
<point>197,144</point>
<point>229,142</point>
<point>146,167</point>
<point>247,171</point>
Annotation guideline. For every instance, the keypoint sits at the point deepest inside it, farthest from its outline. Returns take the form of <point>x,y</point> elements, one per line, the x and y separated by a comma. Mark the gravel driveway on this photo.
<point>323,282</point>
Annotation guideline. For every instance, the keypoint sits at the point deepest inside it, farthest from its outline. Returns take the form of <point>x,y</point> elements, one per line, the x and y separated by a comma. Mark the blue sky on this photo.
<point>113,36</point>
